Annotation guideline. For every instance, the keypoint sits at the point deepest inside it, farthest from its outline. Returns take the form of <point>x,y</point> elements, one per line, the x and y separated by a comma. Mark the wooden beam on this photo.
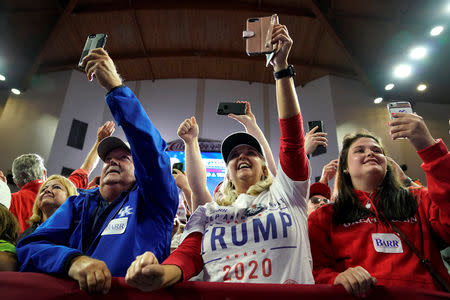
<point>317,39</point>
<point>137,27</point>
<point>332,31</point>
<point>200,54</point>
<point>230,5</point>
<point>26,13</point>
<point>55,30</point>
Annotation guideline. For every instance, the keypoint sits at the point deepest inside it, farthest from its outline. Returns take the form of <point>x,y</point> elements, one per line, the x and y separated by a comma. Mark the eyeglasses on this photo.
<point>316,200</point>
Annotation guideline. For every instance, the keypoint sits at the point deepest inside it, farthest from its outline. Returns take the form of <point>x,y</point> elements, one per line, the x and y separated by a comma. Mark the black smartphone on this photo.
<point>178,166</point>
<point>226,108</point>
<point>320,149</point>
<point>93,41</point>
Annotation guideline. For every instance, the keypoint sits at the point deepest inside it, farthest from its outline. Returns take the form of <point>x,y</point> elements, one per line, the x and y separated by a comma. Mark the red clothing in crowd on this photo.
<point>23,200</point>
<point>79,178</point>
<point>372,244</point>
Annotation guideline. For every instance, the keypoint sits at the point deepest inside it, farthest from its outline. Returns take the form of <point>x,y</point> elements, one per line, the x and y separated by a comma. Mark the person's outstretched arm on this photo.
<point>92,158</point>
<point>251,126</point>
<point>195,170</point>
<point>80,177</point>
<point>151,162</point>
<point>293,158</point>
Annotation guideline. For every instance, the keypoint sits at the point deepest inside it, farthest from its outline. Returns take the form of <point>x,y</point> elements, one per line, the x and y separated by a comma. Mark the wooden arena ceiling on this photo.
<point>154,39</point>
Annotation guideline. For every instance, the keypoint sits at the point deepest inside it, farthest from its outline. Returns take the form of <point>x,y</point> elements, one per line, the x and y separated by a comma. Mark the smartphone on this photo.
<point>226,108</point>
<point>178,166</point>
<point>401,106</point>
<point>258,35</point>
<point>320,149</point>
<point>93,41</point>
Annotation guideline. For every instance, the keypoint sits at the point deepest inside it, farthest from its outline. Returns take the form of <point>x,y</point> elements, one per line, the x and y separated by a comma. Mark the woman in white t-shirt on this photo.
<point>257,232</point>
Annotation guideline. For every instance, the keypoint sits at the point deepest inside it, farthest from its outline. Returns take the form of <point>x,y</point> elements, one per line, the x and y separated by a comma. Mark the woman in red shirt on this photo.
<point>353,242</point>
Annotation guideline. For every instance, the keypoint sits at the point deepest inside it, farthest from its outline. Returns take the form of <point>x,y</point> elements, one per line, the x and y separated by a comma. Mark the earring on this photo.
<point>346,171</point>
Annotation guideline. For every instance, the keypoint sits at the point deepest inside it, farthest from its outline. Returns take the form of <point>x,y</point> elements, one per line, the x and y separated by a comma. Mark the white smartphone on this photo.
<point>399,107</point>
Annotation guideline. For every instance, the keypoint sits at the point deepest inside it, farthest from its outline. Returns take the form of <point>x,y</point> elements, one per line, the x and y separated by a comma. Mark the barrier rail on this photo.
<point>35,286</point>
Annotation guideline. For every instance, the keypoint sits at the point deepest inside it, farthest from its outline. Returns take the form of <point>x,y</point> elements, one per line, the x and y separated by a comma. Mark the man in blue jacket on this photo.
<point>98,233</point>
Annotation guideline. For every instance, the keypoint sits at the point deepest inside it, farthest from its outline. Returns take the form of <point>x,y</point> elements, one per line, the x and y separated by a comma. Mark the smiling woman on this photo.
<point>52,194</point>
<point>367,236</point>
<point>260,223</point>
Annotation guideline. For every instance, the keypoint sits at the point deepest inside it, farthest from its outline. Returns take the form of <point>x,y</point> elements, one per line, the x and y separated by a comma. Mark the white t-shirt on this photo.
<point>262,239</point>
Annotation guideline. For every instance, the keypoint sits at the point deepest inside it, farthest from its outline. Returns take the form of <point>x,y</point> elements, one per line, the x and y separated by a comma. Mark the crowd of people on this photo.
<point>263,224</point>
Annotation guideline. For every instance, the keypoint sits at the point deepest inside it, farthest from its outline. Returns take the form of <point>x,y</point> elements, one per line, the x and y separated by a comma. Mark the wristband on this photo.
<point>289,72</point>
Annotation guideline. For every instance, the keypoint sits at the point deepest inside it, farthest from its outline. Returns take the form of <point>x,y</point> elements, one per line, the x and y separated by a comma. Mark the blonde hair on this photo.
<point>37,217</point>
<point>230,194</point>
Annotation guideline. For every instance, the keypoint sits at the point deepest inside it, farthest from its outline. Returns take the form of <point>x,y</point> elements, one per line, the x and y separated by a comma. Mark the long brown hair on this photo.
<point>395,201</point>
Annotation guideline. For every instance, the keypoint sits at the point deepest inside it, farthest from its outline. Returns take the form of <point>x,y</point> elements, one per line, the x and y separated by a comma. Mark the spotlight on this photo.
<point>436,30</point>
<point>402,71</point>
<point>389,86</point>
<point>418,53</point>
<point>15,91</point>
<point>377,100</point>
<point>2,78</point>
<point>421,87</point>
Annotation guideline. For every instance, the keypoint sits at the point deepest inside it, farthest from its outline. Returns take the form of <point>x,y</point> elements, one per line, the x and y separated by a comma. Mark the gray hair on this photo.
<point>28,167</point>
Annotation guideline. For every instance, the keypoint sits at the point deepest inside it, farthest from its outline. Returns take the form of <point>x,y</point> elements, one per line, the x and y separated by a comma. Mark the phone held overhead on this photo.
<point>399,107</point>
<point>235,108</point>
<point>258,36</point>
<point>93,41</point>
<point>320,149</point>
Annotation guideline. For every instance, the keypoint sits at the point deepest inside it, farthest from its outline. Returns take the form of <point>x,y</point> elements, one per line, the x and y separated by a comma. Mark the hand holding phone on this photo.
<point>178,166</point>
<point>236,108</point>
<point>93,41</point>
<point>320,149</point>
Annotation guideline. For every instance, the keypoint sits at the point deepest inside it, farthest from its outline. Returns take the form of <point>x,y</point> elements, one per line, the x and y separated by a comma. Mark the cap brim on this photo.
<point>110,143</point>
<point>236,139</point>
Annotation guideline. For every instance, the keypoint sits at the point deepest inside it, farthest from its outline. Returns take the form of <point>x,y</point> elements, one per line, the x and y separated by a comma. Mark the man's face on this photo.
<point>118,169</point>
<point>315,202</point>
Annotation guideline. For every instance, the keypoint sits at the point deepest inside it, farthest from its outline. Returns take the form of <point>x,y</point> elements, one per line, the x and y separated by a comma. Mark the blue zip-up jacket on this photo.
<point>141,219</point>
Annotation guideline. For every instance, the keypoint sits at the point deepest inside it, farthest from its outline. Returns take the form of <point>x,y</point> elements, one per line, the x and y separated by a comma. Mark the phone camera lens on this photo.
<point>92,35</point>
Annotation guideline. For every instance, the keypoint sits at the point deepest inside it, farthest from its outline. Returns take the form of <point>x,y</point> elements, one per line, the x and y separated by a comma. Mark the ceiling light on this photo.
<point>402,71</point>
<point>418,53</point>
<point>377,100</point>
<point>15,91</point>
<point>2,78</point>
<point>389,86</point>
<point>436,30</point>
<point>421,87</point>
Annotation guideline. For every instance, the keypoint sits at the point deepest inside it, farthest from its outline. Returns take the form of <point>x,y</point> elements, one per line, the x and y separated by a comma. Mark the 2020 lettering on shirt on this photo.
<point>259,239</point>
